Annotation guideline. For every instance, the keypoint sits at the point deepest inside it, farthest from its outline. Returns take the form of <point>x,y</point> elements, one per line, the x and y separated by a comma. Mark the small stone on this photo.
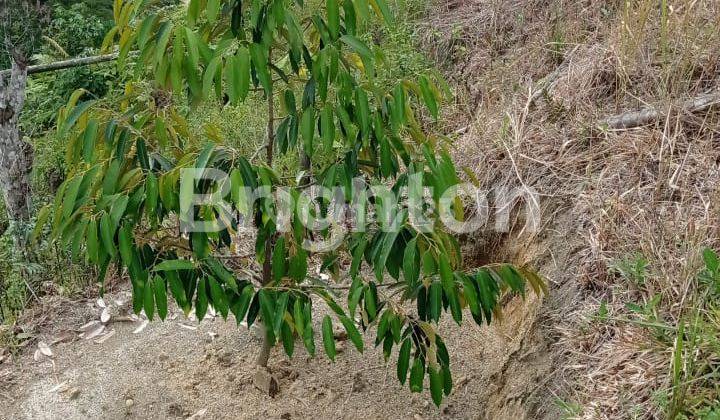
<point>73,393</point>
<point>163,357</point>
<point>129,402</point>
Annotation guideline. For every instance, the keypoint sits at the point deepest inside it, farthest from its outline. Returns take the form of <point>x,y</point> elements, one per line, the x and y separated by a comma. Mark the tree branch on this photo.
<point>644,116</point>
<point>66,64</point>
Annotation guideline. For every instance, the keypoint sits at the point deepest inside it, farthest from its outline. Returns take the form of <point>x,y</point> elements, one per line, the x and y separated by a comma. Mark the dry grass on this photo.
<point>651,192</point>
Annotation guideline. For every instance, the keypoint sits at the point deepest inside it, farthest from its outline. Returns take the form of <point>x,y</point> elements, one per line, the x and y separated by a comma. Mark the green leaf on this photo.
<point>258,56</point>
<point>174,265</point>
<point>149,300</point>
<point>362,107</point>
<point>403,361</point>
<point>298,265</point>
<point>107,235</point>
<point>117,210</point>
<point>280,309</point>
<point>353,333</point>
<point>241,73</point>
<point>384,11</point>
<point>200,244</point>
<point>126,244</point>
<point>241,306</point>
<point>212,9</point>
<point>328,338</point>
<point>89,137</point>
<point>357,45</point>
<point>73,117</point>
<point>333,18</point>
<point>436,385</point>
<point>279,261</point>
<point>267,311</point>
<point>711,260</point>
<point>448,285</point>
<point>209,76</point>
<point>411,263</point>
<point>177,290</point>
<point>71,193</point>
<point>151,193</point>
<point>307,130</point>
<point>417,373</point>
<point>288,339</point>
<point>219,299</point>
<point>327,126</point>
<point>435,300</point>
<point>201,300</point>
<point>160,297</point>
<point>428,96</point>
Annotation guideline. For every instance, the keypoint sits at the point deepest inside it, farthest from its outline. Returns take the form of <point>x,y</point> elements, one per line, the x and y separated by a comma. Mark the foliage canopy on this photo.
<point>124,201</point>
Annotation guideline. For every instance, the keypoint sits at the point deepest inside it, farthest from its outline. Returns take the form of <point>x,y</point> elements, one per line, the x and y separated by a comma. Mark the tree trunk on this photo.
<point>16,156</point>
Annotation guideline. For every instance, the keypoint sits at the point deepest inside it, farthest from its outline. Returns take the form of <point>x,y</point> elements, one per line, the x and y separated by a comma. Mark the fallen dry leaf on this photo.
<point>94,332</point>
<point>38,356</point>
<point>197,415</point>
<point>101,303</point>
<point>188,327</point>
<point>63,337</point>
<point>105,315</point>
<point>103,338</point>
<point>45,349</point>
<point>88,326</point>
<point>142,326</point>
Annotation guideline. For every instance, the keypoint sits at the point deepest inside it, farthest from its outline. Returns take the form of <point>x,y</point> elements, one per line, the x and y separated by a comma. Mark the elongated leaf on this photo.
<point>174,265</point>
<point>353,333</point>
<point>357,45</point>
<point>149,300</point>
<point>328,338</point>
<point>280,309</point>
<point>107,235</point>
<point>417,373</point>
<point>177,290</point>
<point>307,129</point>
<point>258,56</point>
<point>428,96</point>
<point>241,306</point>
<point>327,126</point>
<point>436,385</point>
<point>160,297</point>
<point>201,300</point>
<point>217,294</point>
<point>333,18</point>
<point>288,339</point>
<point>403,361</point>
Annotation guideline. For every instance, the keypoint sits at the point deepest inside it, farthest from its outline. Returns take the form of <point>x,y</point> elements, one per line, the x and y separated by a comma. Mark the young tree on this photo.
<point>136,168</point>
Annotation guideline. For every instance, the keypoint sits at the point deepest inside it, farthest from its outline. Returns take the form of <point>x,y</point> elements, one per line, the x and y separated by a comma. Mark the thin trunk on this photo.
<point>16,156</point>
<point>264,355</point>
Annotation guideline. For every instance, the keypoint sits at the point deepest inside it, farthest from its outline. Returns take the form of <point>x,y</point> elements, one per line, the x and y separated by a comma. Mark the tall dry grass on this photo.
<point>633,208</point>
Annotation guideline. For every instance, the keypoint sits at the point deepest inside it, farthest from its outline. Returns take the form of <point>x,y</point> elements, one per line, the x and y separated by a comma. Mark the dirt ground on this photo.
<point>182,368</point>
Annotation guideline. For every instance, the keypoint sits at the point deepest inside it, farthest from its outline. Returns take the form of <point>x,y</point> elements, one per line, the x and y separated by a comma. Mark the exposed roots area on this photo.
<point>625,214</point>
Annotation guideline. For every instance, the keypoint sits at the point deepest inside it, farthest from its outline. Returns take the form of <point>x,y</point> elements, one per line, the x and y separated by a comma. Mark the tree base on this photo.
<point>265,381</point>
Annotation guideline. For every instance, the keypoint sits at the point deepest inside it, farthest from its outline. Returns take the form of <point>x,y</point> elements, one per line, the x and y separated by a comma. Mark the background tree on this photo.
<point>125,201</point>
<point>20,29</point>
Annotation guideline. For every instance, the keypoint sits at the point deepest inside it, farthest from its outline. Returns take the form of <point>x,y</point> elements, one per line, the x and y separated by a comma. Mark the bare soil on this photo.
<point>181,368</point>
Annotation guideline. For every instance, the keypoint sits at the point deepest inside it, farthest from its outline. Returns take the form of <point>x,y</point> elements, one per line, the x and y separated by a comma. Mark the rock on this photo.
<point>265,381</point>
<point>73,393</point>
<point>129,402</point>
